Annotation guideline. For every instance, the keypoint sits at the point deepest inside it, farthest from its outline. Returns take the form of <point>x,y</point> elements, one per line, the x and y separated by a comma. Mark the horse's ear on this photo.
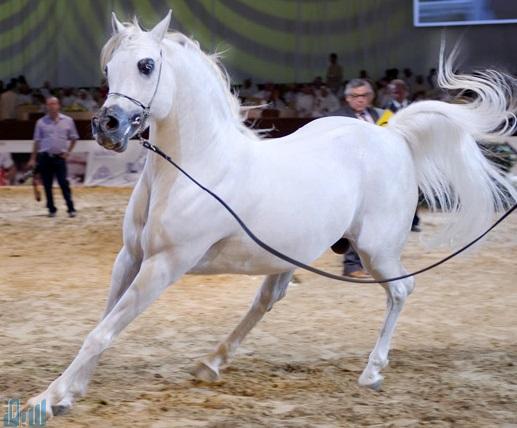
<point>116,24</point>
<point>161,28</point>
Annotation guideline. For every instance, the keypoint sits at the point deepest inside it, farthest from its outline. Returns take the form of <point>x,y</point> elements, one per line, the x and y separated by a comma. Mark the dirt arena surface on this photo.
<point>453,362</point>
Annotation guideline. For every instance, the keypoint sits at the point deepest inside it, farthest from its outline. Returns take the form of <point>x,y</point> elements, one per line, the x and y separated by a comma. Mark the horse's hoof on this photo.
<point>205,373</point>
<point>60,410</point>
<point>373,381</point>
<point>376,386</point>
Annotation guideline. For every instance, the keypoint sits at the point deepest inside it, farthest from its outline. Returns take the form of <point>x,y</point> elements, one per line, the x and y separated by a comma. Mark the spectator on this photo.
<point>46,89</point>
<point>399,93</point>
<point>54,138</point>
<point>274,101</point>
<point>305,102</point>
<point>8,102</point>
<point>290,95</point>
<point>86,102</point>
<point>7,169</point>
<point>264,94</point>
<point>419,88</point>
<point>68,98</point>
<point>326,102</point>
<point>359,95</point>
<point>409,78</point>
<point>248,89</point>
<point>334,73</point>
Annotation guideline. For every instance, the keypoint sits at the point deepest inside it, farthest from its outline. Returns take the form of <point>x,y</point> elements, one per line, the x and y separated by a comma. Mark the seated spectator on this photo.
<point>305,102</point>
<point>24,94</point>
<point>46,89</point>
<point>419,88</point>
<point>290,94</point>
<point>247,89</point>
<point>68,98</point>
<point>7,169</point>
<point>8,102</point>
<point>326,102</point>
<point>274,101</point>
<point>86,102</point>
<point>264,93</point>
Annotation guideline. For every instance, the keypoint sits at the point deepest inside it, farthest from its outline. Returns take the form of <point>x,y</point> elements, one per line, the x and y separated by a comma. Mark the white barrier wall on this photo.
<point>103,167</point>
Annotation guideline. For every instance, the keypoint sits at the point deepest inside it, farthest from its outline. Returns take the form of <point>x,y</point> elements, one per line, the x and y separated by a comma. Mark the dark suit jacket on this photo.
<point>348,112</point>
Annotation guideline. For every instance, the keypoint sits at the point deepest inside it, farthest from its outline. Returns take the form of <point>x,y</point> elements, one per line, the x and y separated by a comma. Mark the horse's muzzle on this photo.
<point>112,127</point>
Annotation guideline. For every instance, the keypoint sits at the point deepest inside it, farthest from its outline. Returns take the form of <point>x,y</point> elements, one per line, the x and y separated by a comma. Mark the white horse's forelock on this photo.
<point>211,60</point>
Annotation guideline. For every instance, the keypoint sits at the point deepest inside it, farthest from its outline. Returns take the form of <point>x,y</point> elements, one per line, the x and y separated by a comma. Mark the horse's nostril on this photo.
<point>112,123</point>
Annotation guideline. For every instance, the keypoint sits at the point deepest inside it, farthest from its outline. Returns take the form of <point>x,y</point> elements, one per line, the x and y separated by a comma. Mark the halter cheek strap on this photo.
<point>141,120</point>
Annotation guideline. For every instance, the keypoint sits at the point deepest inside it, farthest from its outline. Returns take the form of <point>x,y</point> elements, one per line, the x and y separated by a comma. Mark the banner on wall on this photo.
<point>108,168</point>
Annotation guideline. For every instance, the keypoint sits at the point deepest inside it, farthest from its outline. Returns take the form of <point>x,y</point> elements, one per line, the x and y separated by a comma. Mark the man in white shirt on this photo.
<point>305,102</point>
<point>326,102</point>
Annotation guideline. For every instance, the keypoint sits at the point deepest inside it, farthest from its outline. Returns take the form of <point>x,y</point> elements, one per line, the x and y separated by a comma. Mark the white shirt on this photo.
<point>304,105</point>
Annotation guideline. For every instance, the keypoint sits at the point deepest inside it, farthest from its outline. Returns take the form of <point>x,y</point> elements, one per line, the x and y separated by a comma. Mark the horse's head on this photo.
<point>132,61</point>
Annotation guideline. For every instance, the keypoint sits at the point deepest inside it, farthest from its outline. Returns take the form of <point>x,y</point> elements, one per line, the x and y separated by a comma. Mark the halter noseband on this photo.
<point>141,120</point>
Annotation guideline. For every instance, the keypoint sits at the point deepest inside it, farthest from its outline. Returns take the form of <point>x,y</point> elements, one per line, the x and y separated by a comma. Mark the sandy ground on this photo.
<point>453,361</point>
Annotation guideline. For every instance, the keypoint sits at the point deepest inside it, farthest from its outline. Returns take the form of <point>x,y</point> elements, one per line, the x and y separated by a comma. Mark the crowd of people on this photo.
<point>321,97</point>
<point>17,95</point>
<point>326,96</point>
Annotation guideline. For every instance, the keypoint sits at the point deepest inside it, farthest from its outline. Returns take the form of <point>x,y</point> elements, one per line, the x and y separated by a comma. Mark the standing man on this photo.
<point>334,73</point>
<point>359,96</point>
<point>54,138</point>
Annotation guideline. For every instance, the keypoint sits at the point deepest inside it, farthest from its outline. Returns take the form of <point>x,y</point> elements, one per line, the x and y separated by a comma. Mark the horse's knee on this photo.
<point>96,342</point>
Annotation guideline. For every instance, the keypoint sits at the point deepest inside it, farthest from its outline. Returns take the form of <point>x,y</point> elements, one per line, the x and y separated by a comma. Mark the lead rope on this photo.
<point>295,262</point>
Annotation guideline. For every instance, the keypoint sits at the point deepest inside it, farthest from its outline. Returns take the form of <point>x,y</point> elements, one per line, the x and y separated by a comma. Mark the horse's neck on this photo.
<point>199,128</point>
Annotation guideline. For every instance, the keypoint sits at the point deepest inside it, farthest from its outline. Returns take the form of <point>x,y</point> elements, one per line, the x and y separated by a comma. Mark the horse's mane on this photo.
<point>212,61</point>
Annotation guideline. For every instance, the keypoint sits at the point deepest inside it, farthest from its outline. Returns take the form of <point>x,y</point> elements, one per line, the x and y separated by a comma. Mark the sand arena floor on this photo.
<point>453,362</point>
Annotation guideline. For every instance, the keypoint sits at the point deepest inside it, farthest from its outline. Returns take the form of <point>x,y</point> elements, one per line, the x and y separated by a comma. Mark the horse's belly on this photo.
<point>239,257</point>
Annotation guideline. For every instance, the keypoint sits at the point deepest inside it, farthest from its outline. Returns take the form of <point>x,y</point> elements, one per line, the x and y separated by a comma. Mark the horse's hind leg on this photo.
<point>382,266</point>
<point>273,289</point>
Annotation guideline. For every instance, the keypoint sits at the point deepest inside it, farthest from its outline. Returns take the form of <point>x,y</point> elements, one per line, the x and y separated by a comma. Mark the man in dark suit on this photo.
<point>359,96</point>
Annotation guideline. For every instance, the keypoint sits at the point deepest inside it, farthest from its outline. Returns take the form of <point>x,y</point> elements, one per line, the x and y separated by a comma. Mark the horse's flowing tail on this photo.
<point>451,171</point>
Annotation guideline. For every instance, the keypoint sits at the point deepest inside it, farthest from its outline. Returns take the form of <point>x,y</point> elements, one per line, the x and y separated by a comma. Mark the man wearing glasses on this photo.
<point>359,96</point>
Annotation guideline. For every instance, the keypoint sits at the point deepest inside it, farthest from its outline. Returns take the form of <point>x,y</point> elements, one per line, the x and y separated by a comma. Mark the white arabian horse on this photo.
<point>335,177</point>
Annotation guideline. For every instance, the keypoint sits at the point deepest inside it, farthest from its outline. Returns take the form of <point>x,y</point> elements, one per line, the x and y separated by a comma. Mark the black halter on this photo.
<point>141,120</point>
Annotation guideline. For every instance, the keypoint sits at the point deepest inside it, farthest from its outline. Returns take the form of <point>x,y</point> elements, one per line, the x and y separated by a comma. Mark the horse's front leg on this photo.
<point>125,270</point>
<point>273,289</point>
<point>155,275</point>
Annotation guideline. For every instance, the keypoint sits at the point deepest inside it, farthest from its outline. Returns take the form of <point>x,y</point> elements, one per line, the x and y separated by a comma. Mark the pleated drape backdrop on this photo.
<point>267,40</point>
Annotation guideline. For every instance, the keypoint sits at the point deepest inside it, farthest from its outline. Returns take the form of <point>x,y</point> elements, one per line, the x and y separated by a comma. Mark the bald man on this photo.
<point>54,138</point>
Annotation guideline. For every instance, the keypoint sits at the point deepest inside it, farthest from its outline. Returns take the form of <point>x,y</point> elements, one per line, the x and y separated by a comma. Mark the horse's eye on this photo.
<point>146,66</point>
<point>106,70</point>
